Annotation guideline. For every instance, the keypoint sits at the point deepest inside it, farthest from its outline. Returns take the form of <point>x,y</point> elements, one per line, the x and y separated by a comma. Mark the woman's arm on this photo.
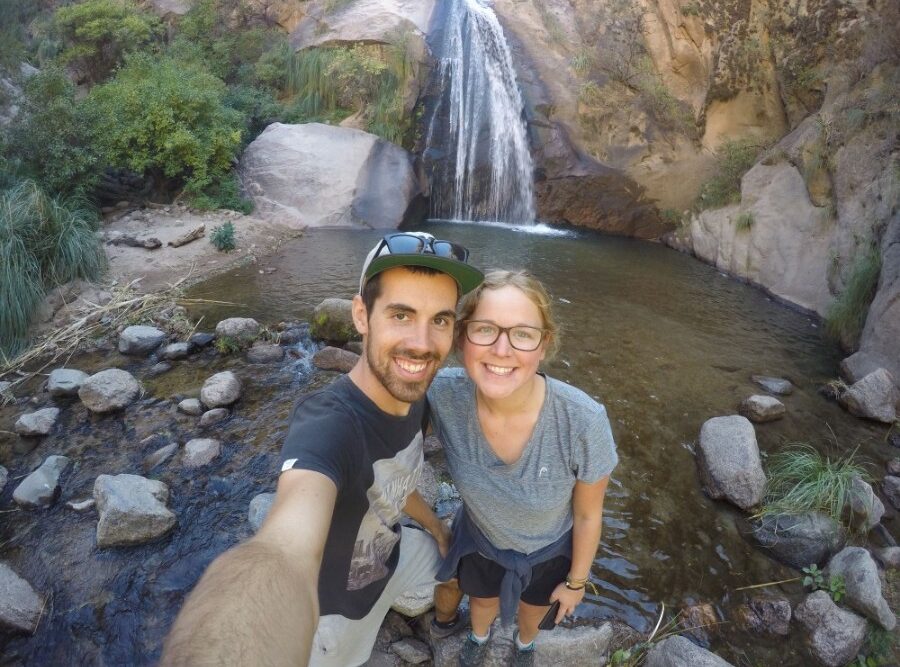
<point>587,510</point>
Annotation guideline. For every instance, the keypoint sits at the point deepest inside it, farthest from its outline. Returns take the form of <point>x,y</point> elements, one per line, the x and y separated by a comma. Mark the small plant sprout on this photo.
<point>814,578</point>
<point>223,237</point>
<point>744,221</point>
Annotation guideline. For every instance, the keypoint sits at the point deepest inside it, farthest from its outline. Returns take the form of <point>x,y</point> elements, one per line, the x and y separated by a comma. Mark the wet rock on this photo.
<point>774,385</point>
<point>680,651</point>
<point>175,351</point>
<point>265,354</point>
<point>220,390</point>
<point>894,439</point>
<point>864,506</point>
<point>332,321</point>
<point>20,605</point>
<point>160,456</point>
<point>760,408</point>
<point>243,329</point>
<point>4,475</point>
<point>290,337</point>
<point>191,406</point>
<point>132,510</point>
<point>893,467</point>
<point>699,621</point>
<point>889,557</point>
<point>200,451</point>
<point>799,540</point>
<point>213,416</point>
<point>200,340</point>
<point>65,382</point>
<point>862,585</point>
<point>412,651</point>
<point>334,359</point>
<point>835,634</point>
<point>354,346</point>
<point>728,458</point>
<point>5,387</point>
<point>140,340</point>
<point>874,397</point>
<point>766,616</point>
<point>259,509</point>
<point>159,369</point>
<point>37,423</point>
<point>81,505</point>
<point>109,390</point>
<point>41,487</point>
<point>857,366</point>
<point>891,488</point>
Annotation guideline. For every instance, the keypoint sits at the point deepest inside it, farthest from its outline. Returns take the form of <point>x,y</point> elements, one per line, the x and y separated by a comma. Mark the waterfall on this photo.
<point>477,146</point>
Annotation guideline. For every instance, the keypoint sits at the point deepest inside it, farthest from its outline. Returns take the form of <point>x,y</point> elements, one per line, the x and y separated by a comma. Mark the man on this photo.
<point>314,584</point>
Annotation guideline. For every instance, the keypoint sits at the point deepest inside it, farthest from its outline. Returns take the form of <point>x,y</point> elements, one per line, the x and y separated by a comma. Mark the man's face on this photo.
<point>409,331</point>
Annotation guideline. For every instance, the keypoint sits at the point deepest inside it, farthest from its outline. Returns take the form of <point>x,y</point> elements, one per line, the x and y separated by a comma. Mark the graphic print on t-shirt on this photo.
<point>395,479</point>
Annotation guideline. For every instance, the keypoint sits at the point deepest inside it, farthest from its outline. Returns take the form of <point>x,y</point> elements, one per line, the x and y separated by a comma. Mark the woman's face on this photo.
<point>499,370</point>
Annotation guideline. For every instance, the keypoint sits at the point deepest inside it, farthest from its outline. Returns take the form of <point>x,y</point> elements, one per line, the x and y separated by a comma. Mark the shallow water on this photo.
<point>664,341</point>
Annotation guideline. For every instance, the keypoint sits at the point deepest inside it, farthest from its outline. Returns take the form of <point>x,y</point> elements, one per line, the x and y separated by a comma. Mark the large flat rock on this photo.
<point>132,510</point>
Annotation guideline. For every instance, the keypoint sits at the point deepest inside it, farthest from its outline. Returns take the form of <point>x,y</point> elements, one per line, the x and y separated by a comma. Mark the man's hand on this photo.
<point>417,509</point>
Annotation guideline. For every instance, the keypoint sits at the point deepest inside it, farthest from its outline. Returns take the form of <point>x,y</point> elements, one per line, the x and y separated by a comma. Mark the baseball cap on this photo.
<point>421,249</point>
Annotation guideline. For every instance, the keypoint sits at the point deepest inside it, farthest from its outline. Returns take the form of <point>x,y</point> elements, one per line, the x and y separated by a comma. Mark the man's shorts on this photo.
<point>480,578</point>
<point>342,642</point>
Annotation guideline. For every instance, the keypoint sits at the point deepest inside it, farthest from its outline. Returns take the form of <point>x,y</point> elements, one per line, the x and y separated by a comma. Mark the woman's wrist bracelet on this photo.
<point>574,584</point>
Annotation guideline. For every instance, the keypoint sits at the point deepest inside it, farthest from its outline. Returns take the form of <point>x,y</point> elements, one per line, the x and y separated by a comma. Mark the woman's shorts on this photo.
<point>480,578</point>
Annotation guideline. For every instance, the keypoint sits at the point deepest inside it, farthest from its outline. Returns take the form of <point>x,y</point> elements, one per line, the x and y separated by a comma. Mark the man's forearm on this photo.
<point>418,509</point>
<point>252,606</point>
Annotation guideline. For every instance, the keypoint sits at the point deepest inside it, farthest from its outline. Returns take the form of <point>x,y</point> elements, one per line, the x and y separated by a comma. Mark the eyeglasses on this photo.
<point>413,244</point>
<point>522,338</point>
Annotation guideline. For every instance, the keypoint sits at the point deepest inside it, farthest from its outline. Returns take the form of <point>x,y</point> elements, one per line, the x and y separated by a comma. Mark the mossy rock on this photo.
<point>332,321</point>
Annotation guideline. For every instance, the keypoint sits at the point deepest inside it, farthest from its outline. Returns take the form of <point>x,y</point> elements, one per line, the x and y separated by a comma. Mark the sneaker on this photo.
<point>459,622</point>
<point>522,657</point>
<point>472,653</point>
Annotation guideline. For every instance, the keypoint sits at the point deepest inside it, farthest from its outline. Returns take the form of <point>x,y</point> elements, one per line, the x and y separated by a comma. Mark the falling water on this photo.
<point>477,146</point>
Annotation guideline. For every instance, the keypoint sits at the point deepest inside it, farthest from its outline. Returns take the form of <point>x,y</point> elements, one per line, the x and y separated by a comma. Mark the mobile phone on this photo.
<point>549,620</point>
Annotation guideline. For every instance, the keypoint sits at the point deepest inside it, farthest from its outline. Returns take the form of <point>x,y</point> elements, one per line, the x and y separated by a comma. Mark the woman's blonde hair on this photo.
<point>530,286</point>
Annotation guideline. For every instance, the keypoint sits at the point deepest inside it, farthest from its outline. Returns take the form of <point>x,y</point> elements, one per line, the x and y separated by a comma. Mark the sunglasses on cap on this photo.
<point>413,244</point>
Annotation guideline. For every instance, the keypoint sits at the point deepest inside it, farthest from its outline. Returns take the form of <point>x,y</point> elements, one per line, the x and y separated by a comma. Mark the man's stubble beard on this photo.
<point>408,392</point>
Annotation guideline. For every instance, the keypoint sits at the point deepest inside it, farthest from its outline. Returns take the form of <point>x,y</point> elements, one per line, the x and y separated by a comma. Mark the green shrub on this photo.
<point>733,160</point>
<point>52,143</point>
<point>668,111</point>
<point>224,194</point>
<point>12,32</point>
<point>44,242</point>
<point>744,222</point>
<point>802,480</point>
<point>847,315</point>
<point>223,237</point>
<point>257,106</point>
<point>168,119</point>
<point>226,345</point>
<point>692,9</point>
<point>96,34</point>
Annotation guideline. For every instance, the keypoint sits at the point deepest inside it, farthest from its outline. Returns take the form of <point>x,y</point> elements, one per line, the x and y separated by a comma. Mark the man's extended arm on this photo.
<point>417,509</point>
<point>258,602</point>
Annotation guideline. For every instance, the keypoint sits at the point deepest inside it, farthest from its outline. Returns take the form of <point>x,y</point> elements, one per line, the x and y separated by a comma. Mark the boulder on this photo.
<point>213,416</point>
<point>874,397</point>
<point>244,329</point>
<point>160,456</point>
<point>798,540</point>
<point>191,406</point>
<point>265,354</point>
<point>882,329</point>
<point>65,382</point>
<point>865,508</point>
<point>415,602</point>
<point>41,487</point>
<point>37,423</point>
<point>259,509</point>
<point>412,651</point>
<point>200,451</point>
<point>835,634</point>
<point>132,510</point>
<point>728,458</point>
<point>893,466</point>
<point>766,616</point>
<point>316,175</point>
<point>862,585</point>
<point>889,557</point>
<point>175,351</point>
<point>109,390</point>
<point>891,488</point>
<point>140,340</point>
<point>332,320</point>
<point>678,651</point>
<point>220,390</point>
<point>20,605</point>
<point>774,385</point>
<point>335,359</point>
<point>760,408</point>
<point>857,366</point>
<point>200,340</point>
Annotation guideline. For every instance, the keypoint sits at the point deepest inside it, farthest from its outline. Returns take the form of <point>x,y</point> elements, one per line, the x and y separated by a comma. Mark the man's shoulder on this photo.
<point>333,404</point>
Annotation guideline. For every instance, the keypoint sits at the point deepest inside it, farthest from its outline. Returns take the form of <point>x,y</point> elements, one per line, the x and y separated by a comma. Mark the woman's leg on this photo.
<point>529,618</point>
<point>484,611</point>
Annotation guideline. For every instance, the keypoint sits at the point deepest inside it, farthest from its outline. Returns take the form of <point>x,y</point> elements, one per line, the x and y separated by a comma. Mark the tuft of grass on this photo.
<point>744,222</point>
<point>226,345</point>
<point>734,159</point>
<point>847,315</point>
<point>223,237</point>
<point>583,61</point>
<point>692,9</point>
<point>44,242</point>
<point>801,480</point>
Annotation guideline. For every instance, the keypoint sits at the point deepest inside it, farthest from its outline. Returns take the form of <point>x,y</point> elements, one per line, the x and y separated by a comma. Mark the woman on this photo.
<point>531,457</point>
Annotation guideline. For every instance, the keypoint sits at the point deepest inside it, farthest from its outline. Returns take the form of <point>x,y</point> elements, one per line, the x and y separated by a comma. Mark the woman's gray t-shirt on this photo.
<point>527,504</point>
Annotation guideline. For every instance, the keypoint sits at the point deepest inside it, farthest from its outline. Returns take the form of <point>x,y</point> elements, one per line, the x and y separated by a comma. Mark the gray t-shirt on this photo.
<point>525,505</point>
